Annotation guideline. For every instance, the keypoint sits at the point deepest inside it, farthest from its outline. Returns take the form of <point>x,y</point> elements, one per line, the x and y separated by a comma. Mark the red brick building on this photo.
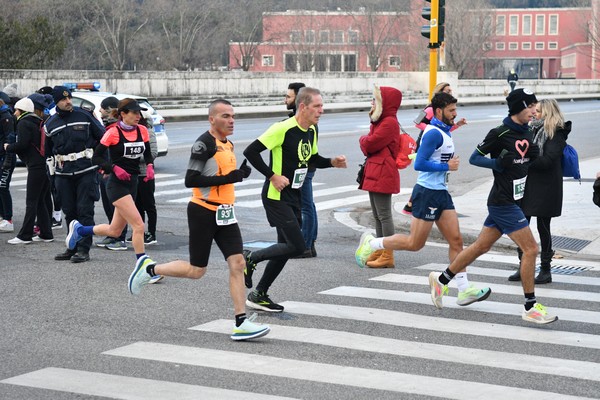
<point>541,43</point>
<point>333,41</point>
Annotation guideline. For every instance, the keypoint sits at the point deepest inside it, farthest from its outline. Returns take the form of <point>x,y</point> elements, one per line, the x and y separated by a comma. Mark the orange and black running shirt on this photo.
<point>220,164</point>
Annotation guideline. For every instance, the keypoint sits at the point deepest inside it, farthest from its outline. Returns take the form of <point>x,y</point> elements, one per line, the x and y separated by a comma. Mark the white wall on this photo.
<point>239,83</point>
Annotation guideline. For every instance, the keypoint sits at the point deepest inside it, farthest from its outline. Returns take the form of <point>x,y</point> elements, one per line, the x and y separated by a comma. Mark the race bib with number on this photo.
<point>133,149</point>
<point>225,215</point>
<point>299,176</point>
<point>519,188</point>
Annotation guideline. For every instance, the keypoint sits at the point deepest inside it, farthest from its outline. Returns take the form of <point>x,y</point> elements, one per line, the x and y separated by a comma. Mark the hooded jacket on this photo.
<point>27,145</point>
<point>544,186</point>
<point>381,145</point>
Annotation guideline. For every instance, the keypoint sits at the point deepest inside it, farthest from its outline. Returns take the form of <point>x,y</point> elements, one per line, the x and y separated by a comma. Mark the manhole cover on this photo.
<point>567,243</point>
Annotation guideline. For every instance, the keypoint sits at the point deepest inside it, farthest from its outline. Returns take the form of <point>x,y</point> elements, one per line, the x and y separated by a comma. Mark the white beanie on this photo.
<point>25,104</point>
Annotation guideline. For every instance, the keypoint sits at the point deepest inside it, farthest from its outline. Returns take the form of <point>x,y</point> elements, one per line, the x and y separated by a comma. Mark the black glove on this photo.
<point>9,161</point>
<point>506,158</point>
<point>245,169</point>
<point>235,176</point>
<point>534,151</point>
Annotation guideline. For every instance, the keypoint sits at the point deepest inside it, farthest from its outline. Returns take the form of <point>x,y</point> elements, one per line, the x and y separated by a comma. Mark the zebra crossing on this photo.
<point>403,302</point>
<point>170,189</point>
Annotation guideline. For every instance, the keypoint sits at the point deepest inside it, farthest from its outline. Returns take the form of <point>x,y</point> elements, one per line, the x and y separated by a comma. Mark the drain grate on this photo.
<point>567,243</point>
<point>565,269</point>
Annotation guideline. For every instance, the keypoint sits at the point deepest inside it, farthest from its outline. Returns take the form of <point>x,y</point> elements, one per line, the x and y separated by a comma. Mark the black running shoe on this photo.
<point>249,269</point>
<point>261,301</point>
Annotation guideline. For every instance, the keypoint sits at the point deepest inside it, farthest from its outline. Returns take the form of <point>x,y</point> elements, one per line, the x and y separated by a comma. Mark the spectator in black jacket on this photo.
<point>30,148</point>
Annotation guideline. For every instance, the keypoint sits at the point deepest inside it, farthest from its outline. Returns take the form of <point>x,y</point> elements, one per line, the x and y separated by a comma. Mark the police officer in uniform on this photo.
<point>72,134</point>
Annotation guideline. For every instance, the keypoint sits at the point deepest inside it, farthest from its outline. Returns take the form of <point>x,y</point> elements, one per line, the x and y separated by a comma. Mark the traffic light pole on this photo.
<point>433,46</point>
<point>433,67</point>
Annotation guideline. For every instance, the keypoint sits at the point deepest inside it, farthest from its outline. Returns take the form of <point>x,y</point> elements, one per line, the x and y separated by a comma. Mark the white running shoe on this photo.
<point>139,277</point>
<point>16,240</point>
<point>249,329</point>
<point>538,315</point>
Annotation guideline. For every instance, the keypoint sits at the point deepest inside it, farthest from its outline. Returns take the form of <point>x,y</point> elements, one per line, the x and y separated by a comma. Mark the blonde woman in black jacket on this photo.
<point>543,196</point>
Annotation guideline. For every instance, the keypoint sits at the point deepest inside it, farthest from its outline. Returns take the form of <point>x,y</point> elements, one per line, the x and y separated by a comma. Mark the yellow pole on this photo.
<point>433,46</point>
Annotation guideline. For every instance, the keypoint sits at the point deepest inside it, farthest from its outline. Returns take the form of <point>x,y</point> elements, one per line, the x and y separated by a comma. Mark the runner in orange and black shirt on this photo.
<point>211,174</point>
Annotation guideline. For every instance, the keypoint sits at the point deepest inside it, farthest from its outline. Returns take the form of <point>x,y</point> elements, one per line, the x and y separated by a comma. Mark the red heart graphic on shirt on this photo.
<point>522,146</point>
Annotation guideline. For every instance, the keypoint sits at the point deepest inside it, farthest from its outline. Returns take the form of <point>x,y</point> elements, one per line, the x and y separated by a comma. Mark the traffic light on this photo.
<point>436,14</point>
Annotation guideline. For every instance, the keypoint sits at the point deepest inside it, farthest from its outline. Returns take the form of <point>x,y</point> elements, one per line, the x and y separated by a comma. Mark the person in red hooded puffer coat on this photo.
<point>381,178</point>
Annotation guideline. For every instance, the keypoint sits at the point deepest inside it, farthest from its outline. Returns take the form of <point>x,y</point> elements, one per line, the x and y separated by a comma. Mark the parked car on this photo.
<point>87,96</point>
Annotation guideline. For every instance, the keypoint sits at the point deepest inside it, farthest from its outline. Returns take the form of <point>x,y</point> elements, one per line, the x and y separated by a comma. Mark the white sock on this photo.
<point>56,215</point>
<point>376,244</point>
<point>461,281</point>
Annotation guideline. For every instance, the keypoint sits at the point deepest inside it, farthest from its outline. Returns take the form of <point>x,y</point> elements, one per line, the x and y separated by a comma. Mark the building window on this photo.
<point>500,25</point>
<point>526,24</point>
<point>394,61</point>
<point>321,62</point>
<point>323,36</point>
<point>500,46</point>
<point>295,36</point>
<point>291,62</point>
<point>335,62</point>
<point>309,36</point>
<point>526,46</point>
<point>539,45</point>
<point>268,61</point>
<point>353,37</point>
<point>540,22</point>
<point>306,62</point>
<point>553,24</point>
<point>513,29</point>
<point>373,61</point>
<point>350,62</point>
<point>513,46</point>
<point>338,37</point>
<point>552,45</point>
<point>568,61</point>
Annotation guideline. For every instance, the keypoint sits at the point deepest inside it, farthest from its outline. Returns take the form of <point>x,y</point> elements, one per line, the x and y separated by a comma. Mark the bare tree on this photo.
<point>186,29</point>
<point>467,35</point>
<point>245,29</point>
<point>115,24</point>
<point>379,32</point>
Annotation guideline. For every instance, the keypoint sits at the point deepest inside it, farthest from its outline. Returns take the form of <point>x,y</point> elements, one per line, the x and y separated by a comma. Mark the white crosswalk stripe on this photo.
<point>495,352</point>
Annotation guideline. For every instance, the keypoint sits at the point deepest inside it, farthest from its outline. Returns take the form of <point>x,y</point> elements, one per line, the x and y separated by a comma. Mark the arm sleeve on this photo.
<point>96,128</point>
<point>99,158</point>
<point>482,161</point>
<point>195,178</point>
<point>252,154</point>
<point>432,139</point>
<point>318,161</point>
<point>23,140</point>
<point>148,158</point>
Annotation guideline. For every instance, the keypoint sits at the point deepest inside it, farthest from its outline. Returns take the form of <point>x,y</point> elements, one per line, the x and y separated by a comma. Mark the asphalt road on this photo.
<point>73,331</point>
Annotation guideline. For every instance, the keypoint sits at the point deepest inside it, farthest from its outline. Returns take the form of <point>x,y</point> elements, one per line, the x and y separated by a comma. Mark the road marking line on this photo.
<point>430,351</point>
<point>125,387</point>
<point>326,373</point>
<point>502,273</point>
<point>498,288</point>
<point>494,307</point>
<point>527,333</point>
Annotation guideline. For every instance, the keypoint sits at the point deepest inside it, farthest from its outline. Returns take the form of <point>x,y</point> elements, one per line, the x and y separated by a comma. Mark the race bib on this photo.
<point>299,176</point>
<point>133,149</point>
<point>225,215</point>
<point>519,188</point>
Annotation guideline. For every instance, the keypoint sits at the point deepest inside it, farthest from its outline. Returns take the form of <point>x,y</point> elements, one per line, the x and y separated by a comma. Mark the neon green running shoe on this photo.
<point>538,315</point>
<point>472,295</point>
<point>249,329</point>
<point>364,249</point>
<point>437,290</point>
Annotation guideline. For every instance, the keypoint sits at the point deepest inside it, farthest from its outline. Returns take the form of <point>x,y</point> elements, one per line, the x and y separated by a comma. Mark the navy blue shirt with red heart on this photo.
<point>518,140</point>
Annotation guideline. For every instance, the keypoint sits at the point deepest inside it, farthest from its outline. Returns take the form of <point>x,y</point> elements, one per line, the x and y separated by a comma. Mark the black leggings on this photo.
<point>290,241</point>
<point>543,228</point>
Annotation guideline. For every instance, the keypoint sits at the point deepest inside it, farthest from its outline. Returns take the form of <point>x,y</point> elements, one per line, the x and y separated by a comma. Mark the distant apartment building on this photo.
<point>539,43</point>
<point>333,41</point>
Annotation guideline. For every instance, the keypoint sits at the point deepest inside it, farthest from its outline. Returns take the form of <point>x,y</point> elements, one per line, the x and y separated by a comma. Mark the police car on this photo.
<point>88,96</point>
